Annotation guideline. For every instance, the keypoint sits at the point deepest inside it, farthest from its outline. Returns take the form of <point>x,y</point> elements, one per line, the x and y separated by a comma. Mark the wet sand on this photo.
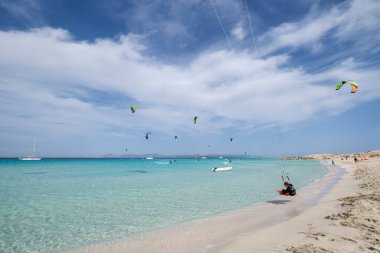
<point>224,232</point>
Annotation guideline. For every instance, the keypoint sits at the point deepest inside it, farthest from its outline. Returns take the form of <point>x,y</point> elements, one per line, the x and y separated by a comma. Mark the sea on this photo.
<point>53,205</point>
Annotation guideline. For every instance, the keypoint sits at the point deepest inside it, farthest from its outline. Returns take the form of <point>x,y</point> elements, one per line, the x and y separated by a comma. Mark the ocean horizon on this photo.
<point>157,156</point>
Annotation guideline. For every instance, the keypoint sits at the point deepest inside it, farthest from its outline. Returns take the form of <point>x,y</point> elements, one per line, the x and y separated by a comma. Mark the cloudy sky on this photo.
<point>260,71</point>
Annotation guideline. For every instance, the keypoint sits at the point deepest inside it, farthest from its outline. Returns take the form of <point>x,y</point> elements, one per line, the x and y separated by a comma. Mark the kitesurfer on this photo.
<point>290,190</point>
<point>332,162</point>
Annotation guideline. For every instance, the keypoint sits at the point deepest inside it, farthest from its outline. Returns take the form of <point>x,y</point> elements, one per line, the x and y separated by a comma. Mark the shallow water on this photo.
<point>57,204</point>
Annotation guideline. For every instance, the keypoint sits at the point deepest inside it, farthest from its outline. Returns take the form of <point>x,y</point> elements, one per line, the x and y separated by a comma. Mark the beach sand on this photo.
<point>347,219</point>
<point>337,213</point>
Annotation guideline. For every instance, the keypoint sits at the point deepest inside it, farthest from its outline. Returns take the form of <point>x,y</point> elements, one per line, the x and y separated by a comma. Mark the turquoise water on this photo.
<point>53,205</point>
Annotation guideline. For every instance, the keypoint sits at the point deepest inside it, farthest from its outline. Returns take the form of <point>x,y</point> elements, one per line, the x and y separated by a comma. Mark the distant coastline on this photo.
<point>367,154</point>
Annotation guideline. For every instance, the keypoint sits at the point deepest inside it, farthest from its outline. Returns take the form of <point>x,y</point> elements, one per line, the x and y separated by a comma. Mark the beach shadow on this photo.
<point>138,171</point>
<point>278,201</point>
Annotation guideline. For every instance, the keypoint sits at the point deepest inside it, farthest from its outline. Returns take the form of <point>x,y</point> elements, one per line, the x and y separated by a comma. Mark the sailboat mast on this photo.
<point>34,148</point>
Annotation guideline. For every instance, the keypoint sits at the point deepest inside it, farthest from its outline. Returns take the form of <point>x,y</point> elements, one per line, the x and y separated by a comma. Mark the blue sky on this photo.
<point>69,70</point>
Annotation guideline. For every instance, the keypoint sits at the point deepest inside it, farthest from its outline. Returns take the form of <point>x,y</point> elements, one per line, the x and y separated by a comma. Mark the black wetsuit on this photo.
<point>290,189</point>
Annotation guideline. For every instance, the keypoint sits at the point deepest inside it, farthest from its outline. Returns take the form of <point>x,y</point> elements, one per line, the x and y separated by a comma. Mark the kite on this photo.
<point>133,108</point>
<point>354,85</point>
<point>147,135</point>
<point>195,119</point>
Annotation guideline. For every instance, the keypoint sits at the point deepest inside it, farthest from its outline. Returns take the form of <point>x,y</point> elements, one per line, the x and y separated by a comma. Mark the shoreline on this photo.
<point>217,232</point>
<point>345,219</point>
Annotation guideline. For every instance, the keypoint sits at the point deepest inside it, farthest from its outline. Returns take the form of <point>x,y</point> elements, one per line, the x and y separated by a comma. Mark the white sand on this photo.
<point>352,224</point>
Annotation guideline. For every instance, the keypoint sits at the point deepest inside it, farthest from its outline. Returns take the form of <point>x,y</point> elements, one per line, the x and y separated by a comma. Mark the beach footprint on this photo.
<point>312,233</point>
<point>308,248</point>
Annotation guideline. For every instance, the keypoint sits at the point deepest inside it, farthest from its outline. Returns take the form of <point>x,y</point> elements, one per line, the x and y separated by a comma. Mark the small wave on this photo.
<point>162,163</point>
<point>37,172</point>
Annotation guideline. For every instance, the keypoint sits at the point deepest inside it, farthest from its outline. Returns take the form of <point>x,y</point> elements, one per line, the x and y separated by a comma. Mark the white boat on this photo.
<point>203,157</point>
<point>149,157</point>
<point>221,169</point>
<point>220,157</point>
<point>33,157</point>
<point>227,163</point>
<point>30,158</point>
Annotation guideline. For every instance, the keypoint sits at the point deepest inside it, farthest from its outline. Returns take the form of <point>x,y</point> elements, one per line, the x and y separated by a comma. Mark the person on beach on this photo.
<point>290,190</point>
<point>332,162</point>
<point>356,159</point>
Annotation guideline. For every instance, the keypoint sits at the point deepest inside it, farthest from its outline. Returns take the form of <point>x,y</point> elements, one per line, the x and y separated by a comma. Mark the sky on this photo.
<point>262,72</point>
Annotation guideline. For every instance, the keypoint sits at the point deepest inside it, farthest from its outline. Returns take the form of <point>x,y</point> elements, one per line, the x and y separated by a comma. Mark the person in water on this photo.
<point>290,190</point>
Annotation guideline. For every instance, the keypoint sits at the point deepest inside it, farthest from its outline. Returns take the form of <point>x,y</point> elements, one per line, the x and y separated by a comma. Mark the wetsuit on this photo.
<point>290,190</point>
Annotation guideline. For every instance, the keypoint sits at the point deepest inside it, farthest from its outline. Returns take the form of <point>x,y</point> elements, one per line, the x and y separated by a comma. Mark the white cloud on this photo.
<point>44,70</point>
<point>175,24</point>
<point>355,21</point>
<point>28,10</point>
<point>238,32</point>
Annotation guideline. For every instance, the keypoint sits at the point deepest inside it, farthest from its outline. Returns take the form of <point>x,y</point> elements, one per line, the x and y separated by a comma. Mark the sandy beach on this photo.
<point>336,213</point>
<point>346,219</point>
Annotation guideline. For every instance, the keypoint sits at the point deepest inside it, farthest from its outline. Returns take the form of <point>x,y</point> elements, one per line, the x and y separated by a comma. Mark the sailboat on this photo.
<point>149,157</point>
<point>33,156</point>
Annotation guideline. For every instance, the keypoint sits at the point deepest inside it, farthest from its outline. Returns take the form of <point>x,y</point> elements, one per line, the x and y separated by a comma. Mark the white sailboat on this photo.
<point>33,157</point>
<point>149,157</point>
